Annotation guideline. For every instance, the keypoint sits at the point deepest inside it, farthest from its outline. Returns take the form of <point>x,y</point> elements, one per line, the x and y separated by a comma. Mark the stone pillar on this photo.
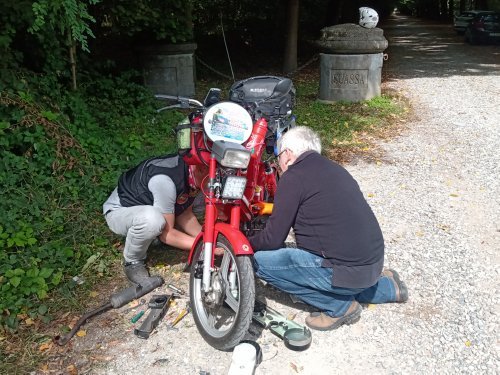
<point>170,69</point>
<point>351,63</point>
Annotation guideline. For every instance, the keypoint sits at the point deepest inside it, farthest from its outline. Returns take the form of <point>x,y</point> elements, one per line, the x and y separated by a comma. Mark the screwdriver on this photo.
<point>138,316</point>
<point>181,315</point>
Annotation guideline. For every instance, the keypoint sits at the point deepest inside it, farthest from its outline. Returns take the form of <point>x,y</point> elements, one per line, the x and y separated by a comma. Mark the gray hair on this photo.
<point>299,140</point>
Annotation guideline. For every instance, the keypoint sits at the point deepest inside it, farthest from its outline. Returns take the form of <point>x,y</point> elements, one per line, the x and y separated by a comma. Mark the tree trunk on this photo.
<point>290,58</point>
<point>461,6</point>
<point>451,9</point>
<point>444,9</point>
<point>72,60</point>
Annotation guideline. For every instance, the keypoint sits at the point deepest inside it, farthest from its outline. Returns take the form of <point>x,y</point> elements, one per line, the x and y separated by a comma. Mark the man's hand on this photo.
<point>218,251</point>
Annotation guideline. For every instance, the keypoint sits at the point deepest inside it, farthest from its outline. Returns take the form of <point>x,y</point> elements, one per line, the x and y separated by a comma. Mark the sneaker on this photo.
<point>136,271</point>
<point>401,289</point>
<point>322,322</point>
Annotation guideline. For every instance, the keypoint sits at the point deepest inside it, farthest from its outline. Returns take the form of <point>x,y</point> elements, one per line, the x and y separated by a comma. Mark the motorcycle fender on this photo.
<point>198,238</point>
<point>238,240</point>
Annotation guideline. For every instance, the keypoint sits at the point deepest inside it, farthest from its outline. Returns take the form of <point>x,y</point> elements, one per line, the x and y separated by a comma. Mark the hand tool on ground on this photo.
<point>294,335</point>
<point>117,300</point>
<point>140,303</point>
<point>138,316</point>
<point>176,290</point>
<point>158,306</point>
<point>181,315</point>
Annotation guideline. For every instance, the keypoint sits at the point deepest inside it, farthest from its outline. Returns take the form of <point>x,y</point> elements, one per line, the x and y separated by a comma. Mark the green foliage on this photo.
<point>58,163</point>
<point>67,17</point>
<point>156,19</point>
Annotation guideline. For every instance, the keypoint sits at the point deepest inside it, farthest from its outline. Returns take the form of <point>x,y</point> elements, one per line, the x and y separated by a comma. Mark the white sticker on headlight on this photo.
<point>227,121</point>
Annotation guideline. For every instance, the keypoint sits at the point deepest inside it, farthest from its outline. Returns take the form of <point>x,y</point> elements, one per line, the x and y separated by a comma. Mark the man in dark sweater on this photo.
<point>339,257</point>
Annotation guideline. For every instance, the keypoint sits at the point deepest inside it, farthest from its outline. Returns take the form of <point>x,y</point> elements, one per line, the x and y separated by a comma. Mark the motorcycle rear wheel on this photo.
<point>223,315</point>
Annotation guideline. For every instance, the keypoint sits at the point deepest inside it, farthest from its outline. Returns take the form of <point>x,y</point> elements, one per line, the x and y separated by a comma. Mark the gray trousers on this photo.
<point>140,225</point>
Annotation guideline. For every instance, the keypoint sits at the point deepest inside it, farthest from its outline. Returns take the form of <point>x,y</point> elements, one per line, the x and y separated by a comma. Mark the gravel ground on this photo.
<point>436,194</point>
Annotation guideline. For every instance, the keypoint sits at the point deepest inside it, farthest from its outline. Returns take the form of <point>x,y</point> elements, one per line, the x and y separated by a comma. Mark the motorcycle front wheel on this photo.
<point>224,312</point>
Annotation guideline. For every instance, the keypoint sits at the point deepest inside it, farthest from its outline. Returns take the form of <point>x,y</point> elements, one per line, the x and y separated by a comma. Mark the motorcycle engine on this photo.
<point>254,226</point>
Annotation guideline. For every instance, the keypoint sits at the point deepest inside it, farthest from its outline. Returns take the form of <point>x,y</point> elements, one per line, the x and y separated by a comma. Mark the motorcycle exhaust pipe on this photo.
<point>116,301</point>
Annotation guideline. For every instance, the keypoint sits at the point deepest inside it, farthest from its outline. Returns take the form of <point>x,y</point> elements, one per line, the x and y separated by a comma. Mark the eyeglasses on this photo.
<point>278,157</point>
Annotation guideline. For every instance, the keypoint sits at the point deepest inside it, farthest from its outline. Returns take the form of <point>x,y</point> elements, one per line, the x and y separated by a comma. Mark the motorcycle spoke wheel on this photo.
<point>224,314</point>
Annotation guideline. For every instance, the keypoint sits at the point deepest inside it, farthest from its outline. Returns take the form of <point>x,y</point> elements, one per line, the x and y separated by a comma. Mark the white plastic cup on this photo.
<point>244,360</point>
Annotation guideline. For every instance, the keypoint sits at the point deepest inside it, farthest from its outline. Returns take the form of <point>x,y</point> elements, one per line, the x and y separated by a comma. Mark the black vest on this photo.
<point>133,184</point>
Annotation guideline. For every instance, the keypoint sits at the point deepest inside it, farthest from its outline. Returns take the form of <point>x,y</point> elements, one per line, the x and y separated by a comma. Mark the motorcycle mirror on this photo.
<point>213,96</point>
<point>281,88</point>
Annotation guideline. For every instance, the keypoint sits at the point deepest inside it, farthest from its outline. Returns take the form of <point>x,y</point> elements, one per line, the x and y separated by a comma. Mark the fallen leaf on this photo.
<point>295,367</point>
<point>370,195</point>
<point>291,316</point>
<point>71,369</point>
<point>93,294</point>
<point>133,304</point>
<point>44,368</point>
<point>81,333</point>
<point>73,321</point>
<point>371,306</point>
<point>101,358</point>
<point>45,346</point>
<point>454,195</point>
<point>444,227</point>
<point>29,322</point>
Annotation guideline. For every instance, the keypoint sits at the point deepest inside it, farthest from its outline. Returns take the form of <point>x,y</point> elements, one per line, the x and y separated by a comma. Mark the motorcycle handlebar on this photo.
<point>182,101</point>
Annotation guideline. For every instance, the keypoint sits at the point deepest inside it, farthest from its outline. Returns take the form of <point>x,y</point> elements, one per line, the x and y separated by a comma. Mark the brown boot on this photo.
<point>401,289</point>
<point>323,322</point>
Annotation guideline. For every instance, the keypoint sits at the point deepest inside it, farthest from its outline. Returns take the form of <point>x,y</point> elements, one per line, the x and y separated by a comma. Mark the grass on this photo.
<point>347,130</point>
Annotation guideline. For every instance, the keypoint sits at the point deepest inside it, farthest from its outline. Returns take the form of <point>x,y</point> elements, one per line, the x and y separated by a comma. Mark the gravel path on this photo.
<point>437,198</point>
<point>436,194</point>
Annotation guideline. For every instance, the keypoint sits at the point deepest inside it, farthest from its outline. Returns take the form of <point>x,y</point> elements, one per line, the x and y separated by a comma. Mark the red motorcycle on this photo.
<point>230,137</point>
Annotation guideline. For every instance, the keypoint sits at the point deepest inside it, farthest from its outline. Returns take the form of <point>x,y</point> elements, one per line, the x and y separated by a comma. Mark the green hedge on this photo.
<point>61,153</point>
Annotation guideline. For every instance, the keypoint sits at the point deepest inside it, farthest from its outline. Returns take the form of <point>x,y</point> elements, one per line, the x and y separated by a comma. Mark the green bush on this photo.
<point>61,153</point>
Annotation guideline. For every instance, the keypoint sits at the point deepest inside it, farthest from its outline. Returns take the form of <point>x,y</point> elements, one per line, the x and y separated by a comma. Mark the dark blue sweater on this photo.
<point>330,217</point>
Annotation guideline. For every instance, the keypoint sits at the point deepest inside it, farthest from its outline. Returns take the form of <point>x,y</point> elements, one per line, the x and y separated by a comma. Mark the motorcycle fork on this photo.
<point>209,226</point>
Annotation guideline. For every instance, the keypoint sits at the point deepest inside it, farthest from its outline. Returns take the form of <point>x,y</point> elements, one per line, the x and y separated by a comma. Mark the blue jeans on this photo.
<point>299,273</point>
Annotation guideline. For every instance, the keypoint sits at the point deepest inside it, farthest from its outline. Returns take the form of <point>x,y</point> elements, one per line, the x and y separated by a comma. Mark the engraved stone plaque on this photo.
<point>348,79</point>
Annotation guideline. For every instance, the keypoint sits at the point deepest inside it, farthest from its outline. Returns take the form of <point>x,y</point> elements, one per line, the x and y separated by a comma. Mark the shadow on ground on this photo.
<point>435,50</point>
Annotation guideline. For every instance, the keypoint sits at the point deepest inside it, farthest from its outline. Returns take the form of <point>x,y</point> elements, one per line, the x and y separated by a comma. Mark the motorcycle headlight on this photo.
<point>183,134</point>
<point>234,187</point>
<point>231,155</point>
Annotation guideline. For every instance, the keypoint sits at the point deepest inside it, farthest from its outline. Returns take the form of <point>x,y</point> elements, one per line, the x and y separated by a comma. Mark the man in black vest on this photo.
<point>339,257</point>
<point>153,200</point>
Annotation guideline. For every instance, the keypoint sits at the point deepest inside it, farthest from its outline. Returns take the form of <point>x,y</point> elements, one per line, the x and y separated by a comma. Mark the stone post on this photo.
<point>170,69</point>
<point>351,63</point>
